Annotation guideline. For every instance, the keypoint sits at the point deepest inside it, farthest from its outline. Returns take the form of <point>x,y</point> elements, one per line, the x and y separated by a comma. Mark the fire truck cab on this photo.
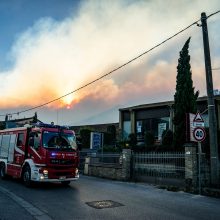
<point>39,153</point>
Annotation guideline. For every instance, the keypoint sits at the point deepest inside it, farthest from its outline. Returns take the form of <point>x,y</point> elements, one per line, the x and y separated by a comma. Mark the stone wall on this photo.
<point>194,180</point>
<point>109,172</point>
<point>197,171</point>
<point>116,172</point>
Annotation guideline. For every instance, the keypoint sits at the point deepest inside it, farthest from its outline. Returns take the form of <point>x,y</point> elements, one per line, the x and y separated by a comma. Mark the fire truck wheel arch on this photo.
<point>2,170</point>
<point>2,164</point>
<point>29,163</point>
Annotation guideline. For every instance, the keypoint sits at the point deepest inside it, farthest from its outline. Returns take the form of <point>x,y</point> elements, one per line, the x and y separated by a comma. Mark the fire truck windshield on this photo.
<point>64,141</point>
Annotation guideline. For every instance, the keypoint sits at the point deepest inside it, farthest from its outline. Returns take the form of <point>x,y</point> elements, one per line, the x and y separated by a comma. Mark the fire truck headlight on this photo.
<point>45,173</point>
<point>76,172</point>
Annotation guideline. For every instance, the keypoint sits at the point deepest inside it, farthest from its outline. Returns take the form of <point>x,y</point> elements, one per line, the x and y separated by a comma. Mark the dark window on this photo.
<point>20,140</point>
<point>126,116</point>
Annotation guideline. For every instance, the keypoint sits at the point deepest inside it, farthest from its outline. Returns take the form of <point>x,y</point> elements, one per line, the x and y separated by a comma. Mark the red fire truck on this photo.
<point>39,153</point>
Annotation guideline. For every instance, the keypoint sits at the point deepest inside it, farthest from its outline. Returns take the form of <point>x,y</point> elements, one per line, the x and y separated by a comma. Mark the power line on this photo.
<point>114,70</point>
<point>216,68</point>
<point>213,14</point>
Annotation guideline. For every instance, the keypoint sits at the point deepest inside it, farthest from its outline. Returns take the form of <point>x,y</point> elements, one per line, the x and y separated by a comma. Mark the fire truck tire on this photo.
<point>26,177</point>
<point>2,171</point>
<point>65,183</point>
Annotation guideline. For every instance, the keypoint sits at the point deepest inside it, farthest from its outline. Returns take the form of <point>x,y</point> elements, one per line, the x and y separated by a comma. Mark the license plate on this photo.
<point>62,178</point>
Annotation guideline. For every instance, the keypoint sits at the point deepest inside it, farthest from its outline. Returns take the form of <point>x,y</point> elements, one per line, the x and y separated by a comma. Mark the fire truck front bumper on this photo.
<point>47,175</point>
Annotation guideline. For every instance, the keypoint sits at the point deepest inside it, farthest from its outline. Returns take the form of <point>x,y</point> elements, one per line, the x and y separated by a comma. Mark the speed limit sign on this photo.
<point>199,134</point>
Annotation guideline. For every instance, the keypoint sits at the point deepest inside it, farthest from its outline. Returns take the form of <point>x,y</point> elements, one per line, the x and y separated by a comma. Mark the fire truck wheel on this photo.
<point>27,176</point>
<point>65,183</point>
<point>2,171</point>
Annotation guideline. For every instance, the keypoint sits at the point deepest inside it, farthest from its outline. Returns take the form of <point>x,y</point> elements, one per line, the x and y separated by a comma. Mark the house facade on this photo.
<point>157,117</point>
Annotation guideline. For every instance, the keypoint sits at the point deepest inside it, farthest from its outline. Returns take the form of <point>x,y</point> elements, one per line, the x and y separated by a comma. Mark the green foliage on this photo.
<point>149,139</point>
<point>113,149</point>
<point>85,137</point>
<point>167,138</point>
<point>184,98</point>
<point>108,140</point>
<point>110,135</point>
<point>132,140</point>
<point>111,129</point>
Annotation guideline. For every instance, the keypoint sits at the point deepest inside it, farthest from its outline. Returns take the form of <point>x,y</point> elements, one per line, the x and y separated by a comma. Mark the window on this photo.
<point>59,141</point>
<point>127,128</point>
<point>20,140</point>
<point>5,145</point>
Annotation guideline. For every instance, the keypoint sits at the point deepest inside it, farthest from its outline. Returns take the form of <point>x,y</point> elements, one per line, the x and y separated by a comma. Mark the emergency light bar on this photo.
<point>44,125</point>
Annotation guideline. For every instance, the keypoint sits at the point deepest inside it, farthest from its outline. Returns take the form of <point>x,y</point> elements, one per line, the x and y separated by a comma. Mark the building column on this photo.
<point>132,114</point>
<point>191,171</point>
<point>171,125</point>
<point>120,121</point>
<point>126,164</point>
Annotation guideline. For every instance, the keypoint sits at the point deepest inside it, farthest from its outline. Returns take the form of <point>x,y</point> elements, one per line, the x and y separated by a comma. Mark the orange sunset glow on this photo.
<point>53,57</point>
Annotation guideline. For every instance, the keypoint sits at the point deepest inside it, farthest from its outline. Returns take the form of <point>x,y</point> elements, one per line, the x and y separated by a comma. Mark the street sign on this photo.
<point>199,134</point>
<point>96,140</point>
<point>198,120</point>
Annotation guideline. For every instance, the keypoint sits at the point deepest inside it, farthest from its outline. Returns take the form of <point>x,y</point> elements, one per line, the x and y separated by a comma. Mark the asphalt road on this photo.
<point>129,201</point>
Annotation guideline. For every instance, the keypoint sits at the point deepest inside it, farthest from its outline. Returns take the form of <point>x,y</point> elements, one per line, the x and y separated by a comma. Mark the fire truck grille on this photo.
<point>62,162</point>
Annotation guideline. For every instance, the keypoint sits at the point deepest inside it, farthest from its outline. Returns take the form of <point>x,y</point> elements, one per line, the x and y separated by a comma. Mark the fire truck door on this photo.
<point>11,148</point>
<point>19,149</point>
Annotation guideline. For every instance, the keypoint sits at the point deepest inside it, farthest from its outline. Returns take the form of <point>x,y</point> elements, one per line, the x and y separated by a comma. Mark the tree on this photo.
<point>85,137</point>
<point>111,134</point>
<point>132,140</point>
<point>167,138</point>
<point>184,98</point>
<point>148,139</point>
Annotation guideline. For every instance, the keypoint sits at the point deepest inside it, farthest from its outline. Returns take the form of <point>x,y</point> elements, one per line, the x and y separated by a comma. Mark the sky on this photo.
<point>49,48</point>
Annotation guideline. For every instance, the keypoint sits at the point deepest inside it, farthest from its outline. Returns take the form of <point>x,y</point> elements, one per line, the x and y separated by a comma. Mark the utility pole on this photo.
<point>211,105</point>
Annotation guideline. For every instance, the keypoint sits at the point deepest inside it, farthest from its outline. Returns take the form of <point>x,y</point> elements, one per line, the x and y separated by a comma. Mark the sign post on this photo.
<point>199,135</point>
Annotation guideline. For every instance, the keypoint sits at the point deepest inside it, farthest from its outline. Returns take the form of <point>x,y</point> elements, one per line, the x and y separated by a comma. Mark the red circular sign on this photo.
<point>199,134</point>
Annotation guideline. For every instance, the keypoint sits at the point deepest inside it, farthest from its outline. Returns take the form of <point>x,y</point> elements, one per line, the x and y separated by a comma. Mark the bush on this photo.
<point>149,139</point>
<point>85,137</point>
<point>132,140</point>
<point>167,138</point>
<point>113,149</point>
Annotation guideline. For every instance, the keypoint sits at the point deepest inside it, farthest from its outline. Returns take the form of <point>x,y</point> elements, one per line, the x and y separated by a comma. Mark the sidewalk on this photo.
<point>10,209</point>
<point>14,207</point>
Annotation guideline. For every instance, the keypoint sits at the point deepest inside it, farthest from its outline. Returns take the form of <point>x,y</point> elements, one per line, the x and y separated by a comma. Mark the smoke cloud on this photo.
<point>53,58</point>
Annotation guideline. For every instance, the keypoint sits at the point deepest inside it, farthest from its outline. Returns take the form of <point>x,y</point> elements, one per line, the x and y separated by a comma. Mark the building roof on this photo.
<point>165,103</point>
<point>94,127</point>
<point>18,122</point>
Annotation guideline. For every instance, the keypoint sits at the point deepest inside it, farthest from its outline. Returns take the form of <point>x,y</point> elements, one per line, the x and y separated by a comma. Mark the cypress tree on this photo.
<point>184,98</point>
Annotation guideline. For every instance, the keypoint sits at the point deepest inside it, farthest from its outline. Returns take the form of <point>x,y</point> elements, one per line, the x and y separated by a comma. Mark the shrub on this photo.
<point>149,139</point>
<point>167,138</point>
<point>85,137</point>
<point>132,140</point>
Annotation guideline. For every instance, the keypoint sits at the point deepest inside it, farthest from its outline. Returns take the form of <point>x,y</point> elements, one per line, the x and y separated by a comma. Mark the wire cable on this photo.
<point>114,70</point>
<point>216,68</point>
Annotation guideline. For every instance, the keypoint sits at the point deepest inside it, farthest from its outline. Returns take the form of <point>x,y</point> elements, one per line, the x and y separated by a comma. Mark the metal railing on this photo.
<point>105,159</point>
<point>165,165</point>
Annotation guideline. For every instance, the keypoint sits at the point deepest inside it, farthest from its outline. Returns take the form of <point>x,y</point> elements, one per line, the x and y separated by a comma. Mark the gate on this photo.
<point>167,168</point>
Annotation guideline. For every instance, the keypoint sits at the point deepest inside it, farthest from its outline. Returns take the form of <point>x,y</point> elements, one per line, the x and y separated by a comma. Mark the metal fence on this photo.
<point>164,165</point>
<point>105,159</point>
